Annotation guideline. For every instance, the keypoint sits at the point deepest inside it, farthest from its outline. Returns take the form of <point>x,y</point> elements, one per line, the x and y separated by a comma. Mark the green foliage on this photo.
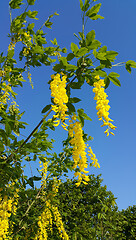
<point>15,4</point>
<point>89,211</point>
<point>92,13</point>
<point>130,64</point>
<point>113,77</point>
<point>90,206</point>
<point>45,109</point>
<point>48,24</point>
<point>31,2</point>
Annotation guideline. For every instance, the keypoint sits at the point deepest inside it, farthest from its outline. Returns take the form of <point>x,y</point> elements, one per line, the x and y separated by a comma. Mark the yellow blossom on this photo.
<point>58,92</point>
<point>8,206</point>
<point>93,158</point>
<point>79,147</point>
<point>102,105</point>
<point>50,213</point>
<point>5,94</point>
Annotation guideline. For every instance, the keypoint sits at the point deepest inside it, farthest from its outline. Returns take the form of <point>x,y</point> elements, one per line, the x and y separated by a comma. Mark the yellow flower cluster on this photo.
<point>58,91</point>
<point>44,223</point>
<point>26,37</point>
<point>50,212</point>
<point>8,206</point>
<point>79,153</point>
<point>45,220</point>
<point>43,169</point>
<point>57,54</point>
<point>5,94</point>
<point>93,158</point>
<point>55,211</point>
<point>26,51</point>
<point>11,46</point>
<point>59,223</point>
<point>23,37</point>
<point>102,105</point>
<point>5,213</point>
<point>15,198</point>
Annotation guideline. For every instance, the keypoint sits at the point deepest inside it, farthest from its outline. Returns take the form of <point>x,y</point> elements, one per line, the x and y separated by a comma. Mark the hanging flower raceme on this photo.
<point>5,213</point>
<point>79,150</point>
<point>51,211</point>
<point>58,92</point>
<point>102,105</point>
<point>5,94</point>
<point>93,158</point>
<point>8,206</point>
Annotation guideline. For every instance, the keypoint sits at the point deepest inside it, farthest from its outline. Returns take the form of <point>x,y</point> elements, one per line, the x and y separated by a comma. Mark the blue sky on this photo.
<point>116,154</point>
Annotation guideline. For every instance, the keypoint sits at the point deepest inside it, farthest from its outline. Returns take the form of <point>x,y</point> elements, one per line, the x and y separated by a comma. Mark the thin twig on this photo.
<point>119,64</point>
<point>11,155</point>
<point>34,130</point>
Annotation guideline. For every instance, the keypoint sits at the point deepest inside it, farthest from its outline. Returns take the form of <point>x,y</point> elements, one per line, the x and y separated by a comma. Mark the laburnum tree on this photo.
<point>30,212</point>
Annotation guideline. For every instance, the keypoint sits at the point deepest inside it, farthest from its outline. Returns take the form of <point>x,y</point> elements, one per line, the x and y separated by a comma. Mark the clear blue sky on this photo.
<point>116,154</point>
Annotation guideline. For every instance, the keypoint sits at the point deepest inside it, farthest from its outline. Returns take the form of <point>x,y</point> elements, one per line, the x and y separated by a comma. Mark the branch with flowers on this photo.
<point>31,212</point>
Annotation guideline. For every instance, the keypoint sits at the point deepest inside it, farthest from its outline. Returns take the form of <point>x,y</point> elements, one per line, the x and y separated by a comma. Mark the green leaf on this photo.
<point>74,100</point>
<point>10,53</point>
<point>1,146</point>
<point>94,45</point>
<point>81,4</point>
<point>71,107</point>
<point>74,48</point>
<point>128,68</point>
<point>81,52</point>
<point>64,61</point>
<point>111,55</point>
<point>101,56</point>
<point>31,14</point>
<point>15,4</point>
<point>103,49</point>
<point>37,49</point>
<point>7,128</point>
<point>46,108</point>
<point>89,37</point>
<point>48,24</point>
<point>107,82</point>
<point>70,56</point>
<point>82,114</point>
<point>58,67</point>
<point>30,26</point>
<point>101,73</point>
<point>91,13</point>
<point>97,17</point>
<point>30,182</point>
<point>86,5</point>
<point>4,137</point>
<point>130,64</point>
<point>54,42</point>
<point>31,2</point>
<point>64,50</point>
<point>105,63</point>
<point>81,119</point>
<point>36,178</point>
<point>71,67</point>
<point>114,74</point>
<point>113,77</point>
